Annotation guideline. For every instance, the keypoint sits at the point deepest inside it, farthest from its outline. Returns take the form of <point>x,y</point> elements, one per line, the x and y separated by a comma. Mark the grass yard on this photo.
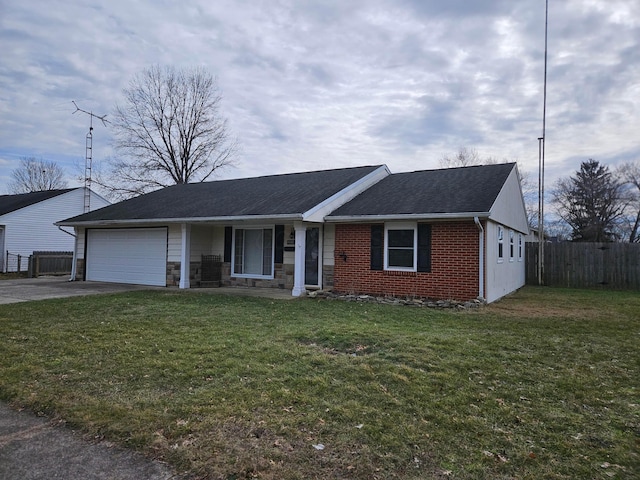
<point>544,384</point>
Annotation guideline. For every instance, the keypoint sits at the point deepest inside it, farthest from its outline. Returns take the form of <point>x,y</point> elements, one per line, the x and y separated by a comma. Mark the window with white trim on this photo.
<point>512,245</point>
<point>520,247</point>
<point>253,252</point>
<point>400,251</point>
<point>500,244</point>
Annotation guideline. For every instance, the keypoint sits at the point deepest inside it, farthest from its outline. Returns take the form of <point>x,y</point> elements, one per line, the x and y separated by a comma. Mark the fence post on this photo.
<point>19,258</point>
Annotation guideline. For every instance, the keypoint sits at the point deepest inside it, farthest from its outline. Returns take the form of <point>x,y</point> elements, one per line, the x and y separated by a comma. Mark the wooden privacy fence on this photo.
<point>586,265</point>
<point>50,263</point>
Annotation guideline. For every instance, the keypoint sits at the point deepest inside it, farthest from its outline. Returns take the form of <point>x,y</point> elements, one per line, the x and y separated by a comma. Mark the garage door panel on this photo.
<point>137,255</point>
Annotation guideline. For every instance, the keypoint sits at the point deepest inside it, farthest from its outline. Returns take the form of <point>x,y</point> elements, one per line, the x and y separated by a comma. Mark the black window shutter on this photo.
<point>228,239</point>
<point>279,246</point>
<point>377,247</point>
<point>424,247</point>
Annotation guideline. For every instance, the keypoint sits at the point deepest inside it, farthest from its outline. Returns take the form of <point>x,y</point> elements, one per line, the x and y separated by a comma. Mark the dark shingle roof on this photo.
<point>431,192</point>
<point>273,195</point>
<point>11,203</point>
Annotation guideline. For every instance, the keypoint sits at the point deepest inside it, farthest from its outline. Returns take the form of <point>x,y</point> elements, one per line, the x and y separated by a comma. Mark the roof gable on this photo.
<point>451,191</point>
<point>268,196</point>
<point>509,208</point>
<point>11,203</point>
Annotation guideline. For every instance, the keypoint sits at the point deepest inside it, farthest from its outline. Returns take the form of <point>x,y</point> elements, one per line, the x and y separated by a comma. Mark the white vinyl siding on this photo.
<point>174,247</point>
<point>32,228</point>
<point>328,244</point>
<point>501,277</point>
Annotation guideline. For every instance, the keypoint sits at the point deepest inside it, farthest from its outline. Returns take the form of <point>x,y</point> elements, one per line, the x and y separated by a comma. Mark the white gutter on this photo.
<point>406,216</point>
<point>480,258</point>
<point>164,221</point>
<point>75,251</point>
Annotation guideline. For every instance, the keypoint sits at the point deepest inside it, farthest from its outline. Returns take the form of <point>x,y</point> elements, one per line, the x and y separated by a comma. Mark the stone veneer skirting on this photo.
<point>283,277</point>
<point>80,269</point>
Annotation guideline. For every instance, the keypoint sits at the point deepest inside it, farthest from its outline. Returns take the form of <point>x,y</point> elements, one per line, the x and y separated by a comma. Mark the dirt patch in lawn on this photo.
<point>525,305</point>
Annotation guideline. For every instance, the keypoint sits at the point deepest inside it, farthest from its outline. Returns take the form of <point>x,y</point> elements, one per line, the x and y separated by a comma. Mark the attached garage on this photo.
<point>127,255</point>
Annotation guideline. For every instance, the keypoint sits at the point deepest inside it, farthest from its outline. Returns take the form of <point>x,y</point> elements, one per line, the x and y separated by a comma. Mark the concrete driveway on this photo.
<point>28,289</point>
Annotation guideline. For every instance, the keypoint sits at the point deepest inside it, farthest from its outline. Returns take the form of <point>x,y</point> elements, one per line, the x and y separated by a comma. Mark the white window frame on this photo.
<point>512,245</point>
<point>401,226</point>
<point>233,252</point>
<point>520,247</point>
<point>500,252</point>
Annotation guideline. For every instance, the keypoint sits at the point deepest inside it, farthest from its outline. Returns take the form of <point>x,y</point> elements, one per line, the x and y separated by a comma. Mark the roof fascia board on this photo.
<point>407,216</point>
<point>319,212</point>
<point>164,221</point>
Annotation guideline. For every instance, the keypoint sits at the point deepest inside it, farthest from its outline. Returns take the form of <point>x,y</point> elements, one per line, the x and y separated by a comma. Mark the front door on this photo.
<point>312,258</point>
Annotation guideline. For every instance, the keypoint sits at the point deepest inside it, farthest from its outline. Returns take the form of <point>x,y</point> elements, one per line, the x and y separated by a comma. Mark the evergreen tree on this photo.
<point>591,202</point>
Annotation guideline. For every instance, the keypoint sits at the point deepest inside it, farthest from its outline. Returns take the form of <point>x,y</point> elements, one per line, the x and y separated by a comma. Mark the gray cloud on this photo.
<point>326,84</point>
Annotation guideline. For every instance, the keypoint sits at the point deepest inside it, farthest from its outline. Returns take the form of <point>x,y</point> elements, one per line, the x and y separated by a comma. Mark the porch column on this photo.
<point>185,256</point>
<point>298,263</point>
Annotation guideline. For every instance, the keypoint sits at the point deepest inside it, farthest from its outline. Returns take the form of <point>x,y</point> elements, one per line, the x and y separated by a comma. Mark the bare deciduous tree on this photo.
<point>168,131</point>
<point>464,157</point>
<point>36,175</point>
<point>467,157</point>
<point>630,175</point>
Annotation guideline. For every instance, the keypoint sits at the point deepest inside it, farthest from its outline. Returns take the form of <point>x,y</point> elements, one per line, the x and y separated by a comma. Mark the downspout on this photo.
<point>480,258</point>
<point>75,249</point>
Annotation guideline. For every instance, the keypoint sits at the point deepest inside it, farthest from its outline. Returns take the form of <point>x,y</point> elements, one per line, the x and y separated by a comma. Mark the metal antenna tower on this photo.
<point>88,159</point>
<point>541,150</point>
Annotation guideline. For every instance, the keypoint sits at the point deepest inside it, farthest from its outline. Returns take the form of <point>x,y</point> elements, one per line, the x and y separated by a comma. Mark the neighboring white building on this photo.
<point>27,222</point>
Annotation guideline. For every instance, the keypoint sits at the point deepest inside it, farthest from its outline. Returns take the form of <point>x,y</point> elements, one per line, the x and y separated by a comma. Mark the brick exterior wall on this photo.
<point>454,265</point>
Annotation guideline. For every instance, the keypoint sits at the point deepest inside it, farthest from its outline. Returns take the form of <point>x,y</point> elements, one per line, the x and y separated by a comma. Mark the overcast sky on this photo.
<point>320,84</point>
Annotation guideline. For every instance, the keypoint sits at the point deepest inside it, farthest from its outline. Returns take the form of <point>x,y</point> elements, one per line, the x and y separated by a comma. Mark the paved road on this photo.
<point>27,289</point>
<point>34,448</point>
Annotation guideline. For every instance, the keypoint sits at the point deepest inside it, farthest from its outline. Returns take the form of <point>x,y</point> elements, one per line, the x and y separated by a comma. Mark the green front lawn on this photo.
<point>544,384</point>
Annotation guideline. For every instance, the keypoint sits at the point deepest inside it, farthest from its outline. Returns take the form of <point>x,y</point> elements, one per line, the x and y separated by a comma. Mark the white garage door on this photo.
<point>130,255</point>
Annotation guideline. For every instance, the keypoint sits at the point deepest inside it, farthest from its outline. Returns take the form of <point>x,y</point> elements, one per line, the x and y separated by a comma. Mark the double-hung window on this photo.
<point>519,247</point>
<point>253,252</point>
<point>512,245</point>
<point>401,247</point>
<point>500,244</point>
<point>401,252</point>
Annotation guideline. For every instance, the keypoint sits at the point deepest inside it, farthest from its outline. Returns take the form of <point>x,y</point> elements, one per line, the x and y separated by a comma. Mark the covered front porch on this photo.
<point>295,256</point>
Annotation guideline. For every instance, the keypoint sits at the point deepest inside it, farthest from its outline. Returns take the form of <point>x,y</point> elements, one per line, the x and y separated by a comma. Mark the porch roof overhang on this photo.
<point>407,217</point>
<point>190,220</point>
